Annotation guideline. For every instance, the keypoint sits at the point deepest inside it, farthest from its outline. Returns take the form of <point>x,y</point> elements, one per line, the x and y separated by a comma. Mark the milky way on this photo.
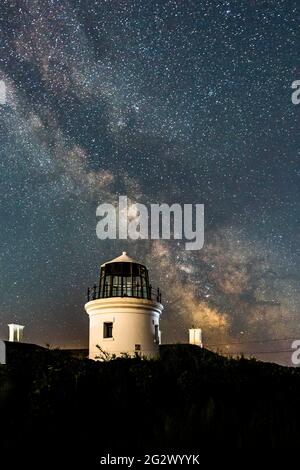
<point>162,101</point>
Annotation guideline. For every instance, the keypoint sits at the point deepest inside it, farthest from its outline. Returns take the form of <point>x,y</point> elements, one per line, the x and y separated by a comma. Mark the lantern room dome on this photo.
<point>123,258</point>
<point>123,277</point>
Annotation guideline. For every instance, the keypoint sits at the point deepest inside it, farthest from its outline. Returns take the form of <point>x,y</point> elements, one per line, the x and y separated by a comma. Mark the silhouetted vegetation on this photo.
<point>189,399</point>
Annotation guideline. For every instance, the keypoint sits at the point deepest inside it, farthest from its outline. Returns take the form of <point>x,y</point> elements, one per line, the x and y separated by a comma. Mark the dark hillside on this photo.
<point>188,400</point>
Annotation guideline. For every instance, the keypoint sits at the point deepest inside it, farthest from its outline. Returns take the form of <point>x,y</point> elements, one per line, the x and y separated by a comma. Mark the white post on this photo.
<point>15,332</point>
<point>195,336</point>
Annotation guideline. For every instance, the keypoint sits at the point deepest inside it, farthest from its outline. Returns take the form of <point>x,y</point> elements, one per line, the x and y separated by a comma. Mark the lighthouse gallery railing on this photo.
<point>135,291</point>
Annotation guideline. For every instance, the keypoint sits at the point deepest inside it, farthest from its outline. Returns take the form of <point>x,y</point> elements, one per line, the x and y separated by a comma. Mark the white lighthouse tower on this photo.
<point>124,311</point>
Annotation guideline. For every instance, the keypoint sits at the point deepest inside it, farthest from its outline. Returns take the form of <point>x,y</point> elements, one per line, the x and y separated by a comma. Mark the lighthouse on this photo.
<point>124,310</point>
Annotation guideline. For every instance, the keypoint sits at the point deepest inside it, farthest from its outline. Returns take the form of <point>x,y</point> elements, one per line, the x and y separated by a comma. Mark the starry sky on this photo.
<point>176,101</point>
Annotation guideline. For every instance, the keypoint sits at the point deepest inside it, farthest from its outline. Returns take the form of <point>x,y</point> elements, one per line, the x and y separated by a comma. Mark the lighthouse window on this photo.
<point>156,333</point>
<point>107,330</point>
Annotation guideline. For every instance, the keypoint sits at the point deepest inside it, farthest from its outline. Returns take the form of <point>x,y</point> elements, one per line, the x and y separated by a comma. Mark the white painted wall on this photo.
<point>2,352</point>
<point>133,321</point>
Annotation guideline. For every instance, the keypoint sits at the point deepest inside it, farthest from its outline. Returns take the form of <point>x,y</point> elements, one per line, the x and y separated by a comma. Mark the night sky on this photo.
<point>165,102</point>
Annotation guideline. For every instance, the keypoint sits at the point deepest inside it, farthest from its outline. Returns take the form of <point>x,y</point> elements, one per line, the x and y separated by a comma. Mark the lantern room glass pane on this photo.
<point>124,279</point>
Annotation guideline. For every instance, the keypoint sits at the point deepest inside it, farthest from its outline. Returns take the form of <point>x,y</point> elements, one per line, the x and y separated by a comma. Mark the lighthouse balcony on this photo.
<point>136,291</point>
